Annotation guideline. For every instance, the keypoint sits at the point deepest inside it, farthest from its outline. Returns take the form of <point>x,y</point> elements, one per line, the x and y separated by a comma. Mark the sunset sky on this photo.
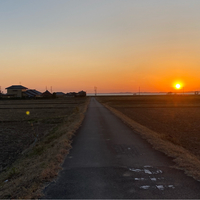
<point>115,45</point>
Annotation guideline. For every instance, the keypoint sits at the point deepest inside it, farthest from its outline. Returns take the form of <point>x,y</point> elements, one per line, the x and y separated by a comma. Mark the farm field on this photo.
<point>19,130</point>
<point>176,118</point>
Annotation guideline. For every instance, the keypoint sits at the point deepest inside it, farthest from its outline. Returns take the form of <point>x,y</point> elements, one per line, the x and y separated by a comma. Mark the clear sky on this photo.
<point>115,45</point>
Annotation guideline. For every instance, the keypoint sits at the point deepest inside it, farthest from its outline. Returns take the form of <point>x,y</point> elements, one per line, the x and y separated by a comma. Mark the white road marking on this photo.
<point>158,172</point>
<point>160,187</point>
<point>135,170</point>
<point>145,187</point>
<point>139,179</point>
<point>147,171</point>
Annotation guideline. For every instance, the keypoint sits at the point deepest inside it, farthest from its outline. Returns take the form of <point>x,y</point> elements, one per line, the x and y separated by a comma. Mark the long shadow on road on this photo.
<point>109,160</point>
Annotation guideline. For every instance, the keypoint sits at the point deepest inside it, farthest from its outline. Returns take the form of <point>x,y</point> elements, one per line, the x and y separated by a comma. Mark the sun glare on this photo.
<point>178,86</point>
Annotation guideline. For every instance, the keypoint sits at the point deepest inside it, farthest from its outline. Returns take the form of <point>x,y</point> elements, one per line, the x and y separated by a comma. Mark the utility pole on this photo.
<point>95,91</point>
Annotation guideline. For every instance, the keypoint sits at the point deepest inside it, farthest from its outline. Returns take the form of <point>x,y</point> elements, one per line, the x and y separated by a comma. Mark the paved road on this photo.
<point>108,160</point>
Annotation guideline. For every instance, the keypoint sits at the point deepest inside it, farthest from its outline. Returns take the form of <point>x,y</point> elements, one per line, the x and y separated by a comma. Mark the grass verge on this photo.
<point>26,177</point>
<point>183,158</point>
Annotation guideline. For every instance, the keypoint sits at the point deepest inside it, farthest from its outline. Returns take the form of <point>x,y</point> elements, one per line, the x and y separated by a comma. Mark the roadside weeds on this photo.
<point>27,175</point>
<point>184,159</point>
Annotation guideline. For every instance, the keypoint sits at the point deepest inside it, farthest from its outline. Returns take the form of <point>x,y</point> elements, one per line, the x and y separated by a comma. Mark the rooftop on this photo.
<point>17,87</point>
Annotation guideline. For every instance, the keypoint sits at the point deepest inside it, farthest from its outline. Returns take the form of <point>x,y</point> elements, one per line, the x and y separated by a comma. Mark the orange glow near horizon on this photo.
<point>77,48</point>
<point>110,71</point>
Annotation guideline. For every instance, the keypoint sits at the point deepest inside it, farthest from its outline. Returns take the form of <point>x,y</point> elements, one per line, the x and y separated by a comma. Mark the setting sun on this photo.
<point>178,86</point>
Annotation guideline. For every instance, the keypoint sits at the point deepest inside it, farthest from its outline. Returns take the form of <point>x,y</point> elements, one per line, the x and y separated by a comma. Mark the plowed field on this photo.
<point>19,130</point>
<point>176,118</point>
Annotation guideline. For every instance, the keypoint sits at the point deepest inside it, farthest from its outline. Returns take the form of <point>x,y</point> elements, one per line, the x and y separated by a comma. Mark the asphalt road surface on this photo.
<point>110,161</point>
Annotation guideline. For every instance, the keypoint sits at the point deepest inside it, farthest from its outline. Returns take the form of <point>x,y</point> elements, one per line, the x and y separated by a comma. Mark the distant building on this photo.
<point>81,94</point>
<point>60,94</point>
<point>47,94</point>
<point>74,94</point>
<point>71,94</point>
<point>16,90</point>
<point>32,93</point>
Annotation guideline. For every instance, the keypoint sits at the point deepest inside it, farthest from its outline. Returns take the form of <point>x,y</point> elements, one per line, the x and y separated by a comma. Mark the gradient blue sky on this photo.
<point>116,45</point>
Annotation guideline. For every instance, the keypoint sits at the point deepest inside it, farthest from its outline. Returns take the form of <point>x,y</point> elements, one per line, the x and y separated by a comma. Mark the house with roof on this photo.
<point>81,94</point>
<point>16,90</point>
<point>31,93</point>
<point>47,94</point>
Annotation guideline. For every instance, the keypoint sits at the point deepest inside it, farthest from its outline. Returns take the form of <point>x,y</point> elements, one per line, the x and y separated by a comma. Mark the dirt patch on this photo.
<point>178,125</point>
<point>16,137</point>
<point>169,123</point>
<point>25,177</point>
<point>19,130</point>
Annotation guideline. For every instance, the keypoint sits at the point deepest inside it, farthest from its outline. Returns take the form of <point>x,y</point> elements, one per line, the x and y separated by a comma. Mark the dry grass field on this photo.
<point>33,146</point>
<point>175,118</point>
